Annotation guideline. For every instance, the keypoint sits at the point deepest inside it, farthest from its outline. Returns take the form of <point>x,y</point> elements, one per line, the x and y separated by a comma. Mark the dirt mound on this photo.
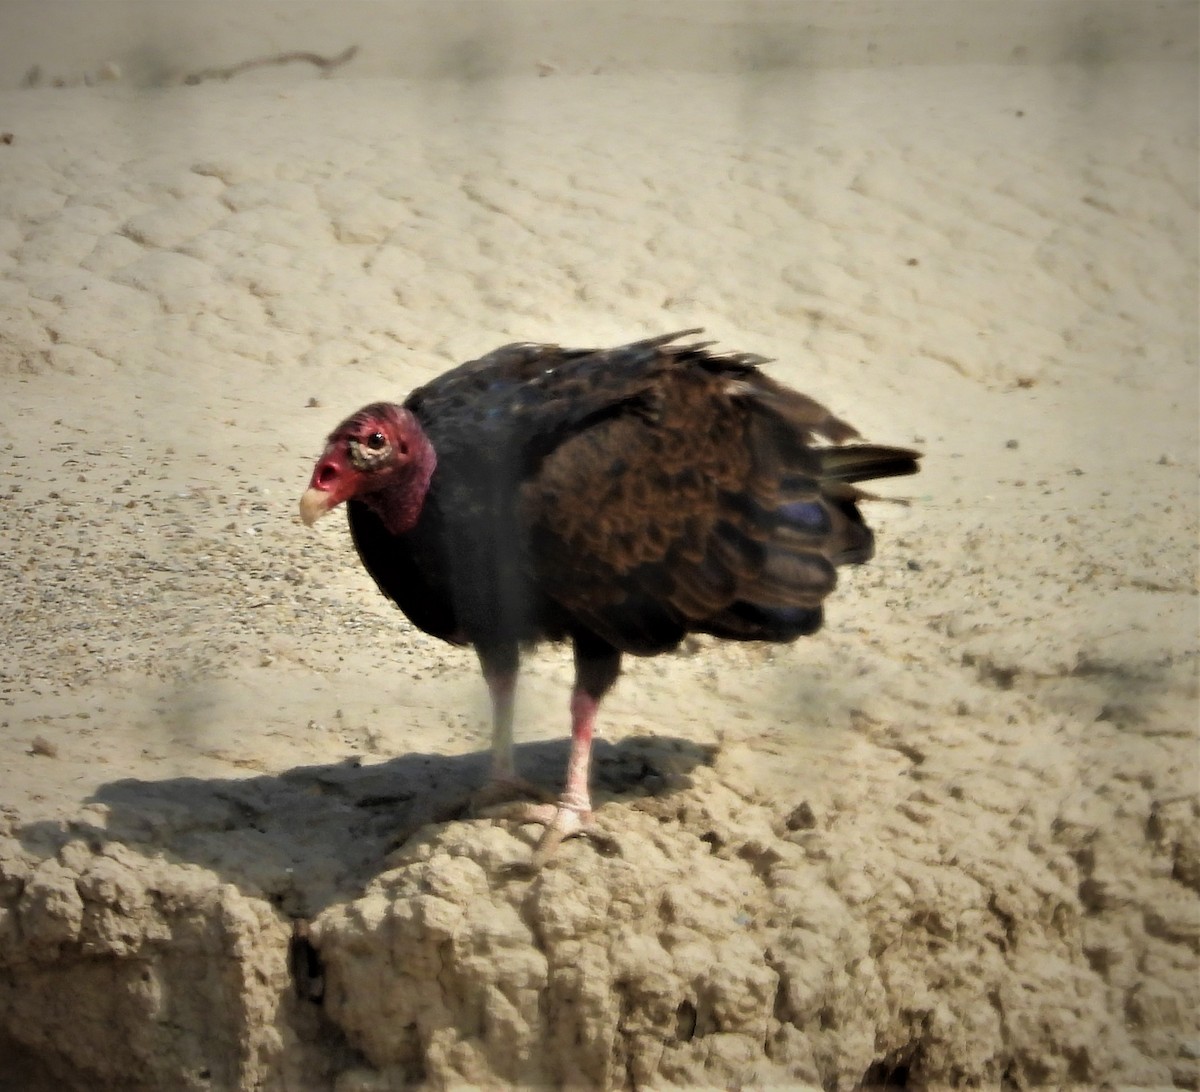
<point>715,935</point>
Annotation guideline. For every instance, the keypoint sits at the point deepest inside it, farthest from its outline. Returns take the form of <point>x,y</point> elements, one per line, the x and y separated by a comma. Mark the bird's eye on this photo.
<point>376,441</point>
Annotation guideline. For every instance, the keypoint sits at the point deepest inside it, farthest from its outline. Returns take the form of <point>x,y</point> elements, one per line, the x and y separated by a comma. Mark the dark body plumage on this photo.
<point>624,498</point>
<point>618,498</point>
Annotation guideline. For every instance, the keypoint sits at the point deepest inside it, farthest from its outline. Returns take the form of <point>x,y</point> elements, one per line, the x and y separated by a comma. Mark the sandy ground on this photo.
<point>950,841</point>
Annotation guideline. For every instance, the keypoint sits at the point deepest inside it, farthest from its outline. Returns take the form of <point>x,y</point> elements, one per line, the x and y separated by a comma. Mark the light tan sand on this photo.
<point>951,839</point>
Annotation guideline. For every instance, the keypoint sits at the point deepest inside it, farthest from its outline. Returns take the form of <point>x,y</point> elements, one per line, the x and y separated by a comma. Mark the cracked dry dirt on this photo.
<point>950,841</point>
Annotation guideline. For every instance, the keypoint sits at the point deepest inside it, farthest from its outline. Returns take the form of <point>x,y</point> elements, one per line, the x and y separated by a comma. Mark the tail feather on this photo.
<point>866,462</point>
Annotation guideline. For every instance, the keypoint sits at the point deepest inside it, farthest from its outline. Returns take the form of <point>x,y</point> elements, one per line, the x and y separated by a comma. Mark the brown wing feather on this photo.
<point>707,507</point>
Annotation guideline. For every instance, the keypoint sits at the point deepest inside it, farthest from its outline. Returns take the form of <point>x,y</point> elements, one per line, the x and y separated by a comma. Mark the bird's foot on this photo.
<point>562,820</point>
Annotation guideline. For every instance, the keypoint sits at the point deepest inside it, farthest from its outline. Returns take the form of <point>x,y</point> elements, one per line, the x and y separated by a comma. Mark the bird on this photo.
<point>620,499</point>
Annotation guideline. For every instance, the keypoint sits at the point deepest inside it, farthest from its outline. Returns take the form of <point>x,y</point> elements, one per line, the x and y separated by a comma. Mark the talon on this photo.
<point>561,820</point>
<point>566,822</point>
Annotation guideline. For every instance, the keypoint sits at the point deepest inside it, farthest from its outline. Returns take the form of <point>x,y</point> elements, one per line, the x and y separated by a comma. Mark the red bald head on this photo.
<point>379,454</point>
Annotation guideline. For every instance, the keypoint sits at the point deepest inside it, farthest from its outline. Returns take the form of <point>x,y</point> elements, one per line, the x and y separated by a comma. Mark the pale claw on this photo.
<point>561,820</point>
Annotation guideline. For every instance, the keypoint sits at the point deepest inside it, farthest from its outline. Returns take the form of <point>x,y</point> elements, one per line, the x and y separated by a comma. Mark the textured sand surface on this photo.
<point>950,840</point>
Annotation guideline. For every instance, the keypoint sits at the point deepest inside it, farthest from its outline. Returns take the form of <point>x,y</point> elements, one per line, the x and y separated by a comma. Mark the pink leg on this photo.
<point>572,815</point>
<point>583,723</point>
<point>597,664</point>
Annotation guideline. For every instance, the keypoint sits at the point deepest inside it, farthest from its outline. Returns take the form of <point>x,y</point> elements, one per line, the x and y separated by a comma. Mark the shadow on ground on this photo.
<point>313,835</point>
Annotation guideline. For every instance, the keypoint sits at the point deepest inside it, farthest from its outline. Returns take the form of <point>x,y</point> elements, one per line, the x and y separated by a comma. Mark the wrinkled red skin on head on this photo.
<point>394,486</point>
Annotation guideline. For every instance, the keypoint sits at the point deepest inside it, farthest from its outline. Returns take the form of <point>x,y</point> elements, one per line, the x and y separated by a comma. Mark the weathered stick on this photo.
<point>326,64</point>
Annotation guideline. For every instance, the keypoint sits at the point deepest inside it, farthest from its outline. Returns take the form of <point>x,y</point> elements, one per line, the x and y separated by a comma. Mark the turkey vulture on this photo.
<point>619,498</point>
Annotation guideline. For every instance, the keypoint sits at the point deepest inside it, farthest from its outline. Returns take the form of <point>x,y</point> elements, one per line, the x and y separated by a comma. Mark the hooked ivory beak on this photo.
<point>313,505</point>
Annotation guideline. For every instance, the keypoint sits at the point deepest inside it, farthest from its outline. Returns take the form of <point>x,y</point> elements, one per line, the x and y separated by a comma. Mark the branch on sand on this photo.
<point>325,64</point>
